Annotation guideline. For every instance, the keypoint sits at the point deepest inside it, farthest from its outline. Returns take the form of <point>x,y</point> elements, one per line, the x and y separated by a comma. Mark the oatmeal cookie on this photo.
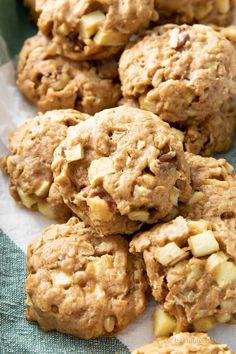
<point>120,169</point>
<point>214,197</point>
<point>214,134</point>
<point>82,284</point>
<point>219,12</point>
<point>51,81</point>
<point>186,343</point>
<point>29,163</point>
<point>90,29</point>
<point>180,72</point>
<point>191,267</point>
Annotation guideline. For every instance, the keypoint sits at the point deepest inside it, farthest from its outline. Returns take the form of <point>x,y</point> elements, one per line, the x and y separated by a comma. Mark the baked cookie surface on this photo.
<point>172,72</point>
<point>120,169</point>
<point>191,267</point>
<point>82,284</point>
<point>29,163</point>
<point>215,134</point>
<point>219,12</point>
<point>186,343</point>
<point>51,81</point>
<point>214,197</point>
<point>92,29</point>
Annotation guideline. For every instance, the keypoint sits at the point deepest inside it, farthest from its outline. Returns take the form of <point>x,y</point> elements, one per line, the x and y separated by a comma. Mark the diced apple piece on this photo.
<point>146,104</point>
<point>99,209</point>
<point>109,324</point>
<point>196,197</point>
<point>64,29</point>
<point>43,188</point>
<point>90,23</point>
<point>203,244</point>
<point>47,210</point>
<point>214,260</point>
<point>99,169</point>
<point>197,227</point>
<point>60,278</point>
<point>27,200</point>
<point>164,324</point>
<point>110,38</point>
<point>225,273</point>
<point>74,154</point>
<point>139,215</point>
<point>204,324</point>
<point>167,254</point>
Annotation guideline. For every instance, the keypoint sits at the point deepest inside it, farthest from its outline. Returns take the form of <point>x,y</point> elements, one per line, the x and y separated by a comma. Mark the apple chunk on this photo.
<point>214,260</point>
<point>27,200</point>
<point>99,169</point>
<point>90,23</point>
<point>110,38</point>
<point>164,324</point>
<point>167,254</point>
<point>203,244</point>
<point>225,273</point>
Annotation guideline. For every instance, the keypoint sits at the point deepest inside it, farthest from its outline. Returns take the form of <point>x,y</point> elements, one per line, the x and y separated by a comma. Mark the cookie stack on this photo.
<point>140,211</point>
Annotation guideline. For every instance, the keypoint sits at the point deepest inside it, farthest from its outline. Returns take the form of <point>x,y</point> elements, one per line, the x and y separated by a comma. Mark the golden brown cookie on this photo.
<point>191,267</point>
<point>52,82</point>
<point>90,29</point>
<point>29,162</point>
<point>214,134</point>
<point>82,284</point>
<point>120,169</point>
<point>219,12</point>
<point>180,72</point>
<point>214,197</point>
<point>184,343</point>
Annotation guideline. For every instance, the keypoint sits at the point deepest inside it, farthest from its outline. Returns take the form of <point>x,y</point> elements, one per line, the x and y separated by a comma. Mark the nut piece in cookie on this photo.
<point>29,163</point>
<point>184,343</point>
<point>191,267</point>
<point>131,170</point>
<point>82,284</point>
<point>51,81</point>
<point>214,197</point>
<point>90,29</point>
<point>219,12</point>
<point>180,72</point>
